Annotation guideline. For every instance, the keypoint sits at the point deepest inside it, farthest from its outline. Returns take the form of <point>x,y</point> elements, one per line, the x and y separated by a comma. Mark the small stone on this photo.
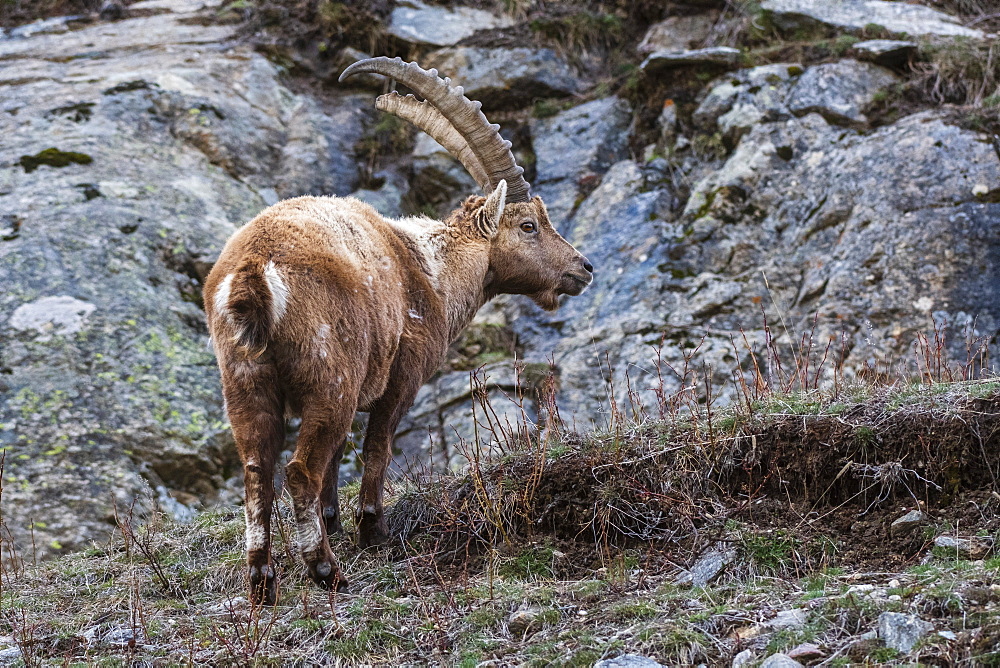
<point>628,661</point>
<point>806,652</point>
<point>884,51</point>
<point>62,315</point>
<point>677,33</point>
<point>524,622</point>
<point>744,659</point>
<point>901,632</point>
<point>780,660</point>
<point>948,635</point>
<point>788,619</point>
<point>972,547</point>
<point>715,55</point>
<point>708,566</point>
<point>980,190</point>
<point>907,523</point>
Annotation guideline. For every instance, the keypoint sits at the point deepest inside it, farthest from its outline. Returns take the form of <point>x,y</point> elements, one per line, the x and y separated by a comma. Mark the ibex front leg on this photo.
<point>382,422</point>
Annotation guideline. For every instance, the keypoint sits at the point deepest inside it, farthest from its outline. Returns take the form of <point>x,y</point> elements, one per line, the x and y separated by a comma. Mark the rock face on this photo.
<point>415,22</point>
<point>856,15</point>
<point>123,171</point>
<point>506,78</point>
<point>574,148</point>
<point>825,214</point>
<point>838,91</point>
<point>901,632</point>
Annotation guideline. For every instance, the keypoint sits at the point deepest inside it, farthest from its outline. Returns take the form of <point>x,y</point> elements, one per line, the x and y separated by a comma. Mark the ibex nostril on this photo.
<point>586,265</point>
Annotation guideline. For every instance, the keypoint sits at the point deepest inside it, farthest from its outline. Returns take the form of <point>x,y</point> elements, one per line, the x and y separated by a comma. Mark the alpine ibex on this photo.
<point>321,307</point>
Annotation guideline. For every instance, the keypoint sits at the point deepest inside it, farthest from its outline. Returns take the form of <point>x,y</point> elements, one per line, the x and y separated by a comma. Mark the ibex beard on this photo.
<point>320,307</point>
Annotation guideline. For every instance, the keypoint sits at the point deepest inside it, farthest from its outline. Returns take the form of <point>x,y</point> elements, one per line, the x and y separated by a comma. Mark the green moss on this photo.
<point>53,157</point>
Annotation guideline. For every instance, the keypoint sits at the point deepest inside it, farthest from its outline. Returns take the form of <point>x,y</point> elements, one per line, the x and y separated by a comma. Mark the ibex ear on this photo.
<point>489,216</point>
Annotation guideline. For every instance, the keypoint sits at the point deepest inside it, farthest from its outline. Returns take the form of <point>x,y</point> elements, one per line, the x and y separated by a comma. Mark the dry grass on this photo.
<point>586,533</point>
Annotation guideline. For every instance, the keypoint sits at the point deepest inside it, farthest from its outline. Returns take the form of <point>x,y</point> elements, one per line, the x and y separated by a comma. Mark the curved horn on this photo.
<point>430,120</point>
<point>464,114</point>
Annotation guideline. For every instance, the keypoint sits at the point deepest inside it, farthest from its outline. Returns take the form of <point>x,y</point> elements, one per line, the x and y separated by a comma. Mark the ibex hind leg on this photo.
<point>324,428</point>
<point>256,414</point>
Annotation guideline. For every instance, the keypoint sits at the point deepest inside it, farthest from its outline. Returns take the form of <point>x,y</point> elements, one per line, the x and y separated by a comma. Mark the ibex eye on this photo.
<point>528,226</point>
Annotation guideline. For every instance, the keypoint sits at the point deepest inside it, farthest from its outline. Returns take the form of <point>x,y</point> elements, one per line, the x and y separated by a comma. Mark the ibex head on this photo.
<point>526,254</point>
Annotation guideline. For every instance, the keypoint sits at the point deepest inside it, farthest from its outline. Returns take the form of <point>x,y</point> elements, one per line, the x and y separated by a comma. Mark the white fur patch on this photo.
<point>309,533</point>
<point>222,296</point>
<point>256,537</point>
<point>429,237</point>
<point>279,292</point>
<point>256,534</point>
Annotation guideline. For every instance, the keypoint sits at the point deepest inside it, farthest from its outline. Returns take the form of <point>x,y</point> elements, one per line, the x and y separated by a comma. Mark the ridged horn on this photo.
<point>430,120</point>
<point>464,115</point>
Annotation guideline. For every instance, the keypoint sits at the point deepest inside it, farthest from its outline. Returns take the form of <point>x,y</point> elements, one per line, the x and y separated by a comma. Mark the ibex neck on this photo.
<point>456,265</point>
<point>460,283</point>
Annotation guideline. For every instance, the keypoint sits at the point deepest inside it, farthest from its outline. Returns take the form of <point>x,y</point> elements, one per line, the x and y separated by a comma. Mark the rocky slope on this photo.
<point>708,196</point>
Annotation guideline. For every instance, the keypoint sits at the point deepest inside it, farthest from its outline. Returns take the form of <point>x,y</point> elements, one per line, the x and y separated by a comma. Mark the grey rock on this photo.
<point>506,78</point>
<point>439,180</point>
<point>387,198</point>
<point>628,661</point>
<point>780,660</point>
<point>573,148</point>
<point>839,90</point>
<point>678,33</point>
<point>901,632</point>
<point>792,191</point>
<point>795,618</point>
<point>908,522</point>
<point>884,51</point>
<point>744,659</point>
<point>439,431</point>
<point>970,547</point>
<point>856,15</point>
<point>726,56</point>
<point>806,652</point>
<point>708,566</point>
<point>525,621</point>
<point>418,23</point>
<point>50,316</point>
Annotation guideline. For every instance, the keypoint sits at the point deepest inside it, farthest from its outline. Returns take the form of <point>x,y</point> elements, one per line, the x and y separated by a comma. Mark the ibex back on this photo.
<point>321,307</point>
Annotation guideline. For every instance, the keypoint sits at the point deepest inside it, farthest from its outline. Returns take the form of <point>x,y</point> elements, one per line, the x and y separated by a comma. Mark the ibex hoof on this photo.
<point>372,530</point>
<point>263,585</point>
<point>328,576</point>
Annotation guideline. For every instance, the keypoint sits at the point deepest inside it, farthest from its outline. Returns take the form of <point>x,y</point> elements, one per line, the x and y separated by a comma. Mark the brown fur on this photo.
<point>371,307</point>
